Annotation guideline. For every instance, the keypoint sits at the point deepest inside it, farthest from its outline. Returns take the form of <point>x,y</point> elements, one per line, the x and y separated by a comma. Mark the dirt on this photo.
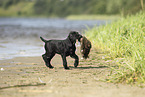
<point>29,77</point>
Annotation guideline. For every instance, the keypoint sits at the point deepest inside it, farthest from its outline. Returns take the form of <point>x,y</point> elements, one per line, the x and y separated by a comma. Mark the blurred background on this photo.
<point>22,22</point>
<point>63,8</point>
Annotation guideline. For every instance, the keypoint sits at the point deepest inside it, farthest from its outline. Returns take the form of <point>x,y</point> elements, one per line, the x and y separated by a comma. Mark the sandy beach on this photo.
<point>29,77</point>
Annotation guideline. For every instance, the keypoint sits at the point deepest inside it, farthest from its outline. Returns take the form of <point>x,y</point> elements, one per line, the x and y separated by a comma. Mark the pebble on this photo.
<point>2,69</point>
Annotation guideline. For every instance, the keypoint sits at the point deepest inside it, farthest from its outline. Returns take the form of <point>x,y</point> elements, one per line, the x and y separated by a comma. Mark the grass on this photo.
<point>124,40</point>
<point>25,9</point>
<point>93,17</point>
<point>19,10</point>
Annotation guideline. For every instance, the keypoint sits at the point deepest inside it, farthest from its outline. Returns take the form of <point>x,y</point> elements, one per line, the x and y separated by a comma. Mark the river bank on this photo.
<point>23,76</point>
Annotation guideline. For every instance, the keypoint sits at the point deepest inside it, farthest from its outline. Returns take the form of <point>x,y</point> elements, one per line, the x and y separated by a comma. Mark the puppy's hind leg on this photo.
<point>47,60</point>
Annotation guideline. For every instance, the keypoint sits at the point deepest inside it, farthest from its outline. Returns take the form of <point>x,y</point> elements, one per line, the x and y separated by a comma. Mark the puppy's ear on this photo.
<point>72,38</point>
<point>70,35</point>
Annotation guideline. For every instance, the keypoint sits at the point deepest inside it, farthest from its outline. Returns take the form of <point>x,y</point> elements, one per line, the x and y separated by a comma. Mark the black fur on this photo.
<point>63,47</point>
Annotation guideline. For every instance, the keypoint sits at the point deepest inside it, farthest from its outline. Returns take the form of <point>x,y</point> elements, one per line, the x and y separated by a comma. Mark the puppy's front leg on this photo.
<point>76,59</point>
<point>64,61</point>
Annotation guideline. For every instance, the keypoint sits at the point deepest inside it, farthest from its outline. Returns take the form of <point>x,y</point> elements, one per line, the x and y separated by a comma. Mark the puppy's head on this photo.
<point>74,35</point>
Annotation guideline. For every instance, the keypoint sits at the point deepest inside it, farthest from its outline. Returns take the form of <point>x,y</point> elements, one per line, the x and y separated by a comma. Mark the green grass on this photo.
<point>93,17</point>
<point>19,10</point>
<point>26,9</point>
<point>125,40</point>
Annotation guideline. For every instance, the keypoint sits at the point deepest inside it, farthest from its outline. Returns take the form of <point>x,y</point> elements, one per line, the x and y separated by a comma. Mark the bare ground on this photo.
<point>29,77</point>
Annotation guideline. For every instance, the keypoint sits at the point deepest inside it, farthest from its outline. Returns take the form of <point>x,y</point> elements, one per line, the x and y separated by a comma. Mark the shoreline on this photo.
<point>28,76</point>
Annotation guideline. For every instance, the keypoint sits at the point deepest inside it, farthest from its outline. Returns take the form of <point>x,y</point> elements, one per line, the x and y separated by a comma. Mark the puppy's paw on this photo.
<point>67,68</point>
<point>76,66</point>
<point>51,67</point>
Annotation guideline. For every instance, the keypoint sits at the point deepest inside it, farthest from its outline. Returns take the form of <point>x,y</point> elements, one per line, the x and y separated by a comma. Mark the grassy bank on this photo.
<point>124,41</point>
<point>18,10</point>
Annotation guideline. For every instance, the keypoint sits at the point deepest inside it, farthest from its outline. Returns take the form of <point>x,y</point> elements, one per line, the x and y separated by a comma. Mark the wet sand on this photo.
<point>29,77</point>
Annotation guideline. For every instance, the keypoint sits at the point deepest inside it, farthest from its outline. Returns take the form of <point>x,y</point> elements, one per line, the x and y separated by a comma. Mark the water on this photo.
<point>20,36</point>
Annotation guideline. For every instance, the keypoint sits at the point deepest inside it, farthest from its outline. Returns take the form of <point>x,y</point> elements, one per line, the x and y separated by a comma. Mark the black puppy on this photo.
<point>63,47</point>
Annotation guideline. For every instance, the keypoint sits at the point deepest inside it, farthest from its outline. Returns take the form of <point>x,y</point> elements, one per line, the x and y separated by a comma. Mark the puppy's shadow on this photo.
<point>90,67</point>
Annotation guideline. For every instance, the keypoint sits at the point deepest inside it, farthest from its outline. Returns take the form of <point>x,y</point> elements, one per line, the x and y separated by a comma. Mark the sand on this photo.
<point>29,77</point>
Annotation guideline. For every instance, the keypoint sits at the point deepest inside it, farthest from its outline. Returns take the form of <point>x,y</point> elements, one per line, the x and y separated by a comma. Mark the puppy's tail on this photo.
<point>43,39</point>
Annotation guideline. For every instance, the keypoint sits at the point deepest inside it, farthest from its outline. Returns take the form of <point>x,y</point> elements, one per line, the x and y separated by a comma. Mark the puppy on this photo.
<point>85,47</point>
<point>63,47</point>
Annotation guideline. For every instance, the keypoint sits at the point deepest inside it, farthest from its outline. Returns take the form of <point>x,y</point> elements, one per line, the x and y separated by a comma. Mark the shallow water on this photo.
<point>20,36</point>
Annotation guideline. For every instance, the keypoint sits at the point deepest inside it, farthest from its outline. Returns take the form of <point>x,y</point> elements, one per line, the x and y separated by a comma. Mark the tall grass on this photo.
<point>123,39</point>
